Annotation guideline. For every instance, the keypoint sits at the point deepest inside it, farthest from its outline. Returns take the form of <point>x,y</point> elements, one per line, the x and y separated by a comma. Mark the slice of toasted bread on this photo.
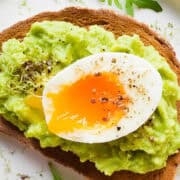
<point>119,25</point>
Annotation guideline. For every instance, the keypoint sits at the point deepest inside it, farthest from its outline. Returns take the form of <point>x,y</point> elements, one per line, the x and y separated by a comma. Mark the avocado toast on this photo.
<point>118,25</point>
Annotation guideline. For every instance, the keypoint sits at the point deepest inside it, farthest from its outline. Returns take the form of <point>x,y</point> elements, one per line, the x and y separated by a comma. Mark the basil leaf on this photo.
<point>110,2</point>
<point>118,4</point>
<point>55,174</point>
<point>129,7</point>
<point>150,4</point>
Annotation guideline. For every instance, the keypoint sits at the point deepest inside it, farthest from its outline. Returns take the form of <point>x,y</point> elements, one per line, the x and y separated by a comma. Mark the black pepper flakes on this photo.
<point>152,139</point>
<point>101,59</point>
<point>120,98</point>
<point>113,60</point>
<point>49,62</point>
<point>126,109</point>
<point>105,119</point>
<point>97,74</point>
<point>150,120</point>
<point>118,128</point>
<point>93,100</point>
<point>104,99</point>
<point>130,80</point>
<point>23,176</point>
<point>119,104</point>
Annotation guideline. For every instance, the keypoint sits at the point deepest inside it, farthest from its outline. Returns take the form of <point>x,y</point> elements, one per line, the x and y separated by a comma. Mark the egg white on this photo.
<point>145,92</point>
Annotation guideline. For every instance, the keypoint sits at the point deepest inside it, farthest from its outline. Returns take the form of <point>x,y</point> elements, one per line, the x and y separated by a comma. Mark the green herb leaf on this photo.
<point>55,174</point>
<point>150,4</point>
<point>129,7</point>
<point>110,2</point>
<point>118,4</point>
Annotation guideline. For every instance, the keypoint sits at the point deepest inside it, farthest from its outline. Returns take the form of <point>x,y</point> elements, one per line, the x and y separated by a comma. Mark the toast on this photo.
<point>119,25</point>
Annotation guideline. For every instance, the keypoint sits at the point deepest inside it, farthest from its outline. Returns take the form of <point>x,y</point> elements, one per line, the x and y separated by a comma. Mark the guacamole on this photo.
<point>50,46</point>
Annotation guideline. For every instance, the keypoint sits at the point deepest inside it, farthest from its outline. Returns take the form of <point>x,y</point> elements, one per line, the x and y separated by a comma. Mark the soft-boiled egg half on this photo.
<point>101,97</point>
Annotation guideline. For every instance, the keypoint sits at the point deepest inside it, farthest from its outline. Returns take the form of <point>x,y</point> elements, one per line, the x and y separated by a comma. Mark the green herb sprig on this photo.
<point>130,4</point>
<point>55,173</point>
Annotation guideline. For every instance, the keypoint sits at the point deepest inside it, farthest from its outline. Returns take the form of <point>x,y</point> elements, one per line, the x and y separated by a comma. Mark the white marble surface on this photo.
<point>15,159</point>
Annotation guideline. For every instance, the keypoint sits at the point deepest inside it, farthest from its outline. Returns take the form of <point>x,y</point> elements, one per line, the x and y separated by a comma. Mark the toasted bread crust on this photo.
<point>119,25</point>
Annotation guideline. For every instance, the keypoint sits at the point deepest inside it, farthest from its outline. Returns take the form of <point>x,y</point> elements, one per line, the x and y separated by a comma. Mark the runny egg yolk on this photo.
<point>95,100</point>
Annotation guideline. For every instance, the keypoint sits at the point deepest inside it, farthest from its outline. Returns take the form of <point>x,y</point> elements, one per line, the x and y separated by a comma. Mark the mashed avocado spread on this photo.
<point>49,47</point>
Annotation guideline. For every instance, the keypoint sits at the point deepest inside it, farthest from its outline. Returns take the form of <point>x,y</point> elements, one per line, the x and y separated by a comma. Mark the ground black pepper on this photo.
<point>104,99</point>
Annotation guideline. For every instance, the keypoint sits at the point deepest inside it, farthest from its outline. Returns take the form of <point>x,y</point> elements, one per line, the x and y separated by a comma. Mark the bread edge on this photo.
<point>19,30</point>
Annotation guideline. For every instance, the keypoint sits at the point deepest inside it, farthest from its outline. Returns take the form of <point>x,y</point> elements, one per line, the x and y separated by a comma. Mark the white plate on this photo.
<point>15,159</point>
